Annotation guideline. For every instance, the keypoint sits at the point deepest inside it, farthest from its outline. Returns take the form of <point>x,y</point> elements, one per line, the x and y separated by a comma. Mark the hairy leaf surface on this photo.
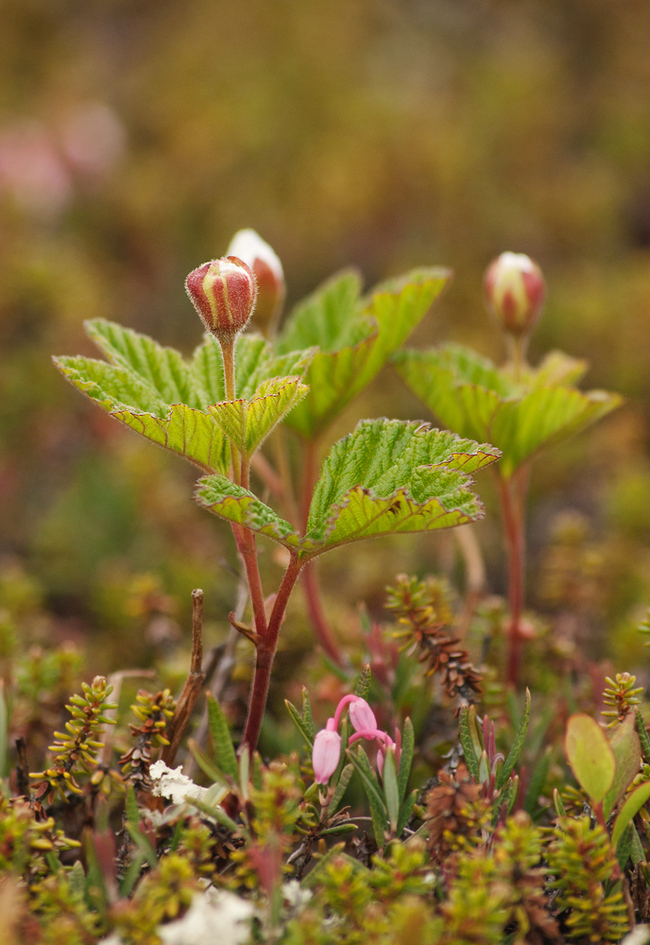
<point>248,422</point>
<point>387,477</point>
<point>476,399</point>
<point>166,399</point>
<point>356,337</point>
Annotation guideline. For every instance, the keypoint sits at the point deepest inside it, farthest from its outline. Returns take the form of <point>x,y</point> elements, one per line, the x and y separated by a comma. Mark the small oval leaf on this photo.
<point>590,756</point>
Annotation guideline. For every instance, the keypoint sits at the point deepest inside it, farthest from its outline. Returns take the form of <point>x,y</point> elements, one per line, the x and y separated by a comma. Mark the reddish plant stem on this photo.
<point>314,598</point>
<point>247,548</point>
<point>513,495</point>
<point>244,537</point>
<point>265,654</point>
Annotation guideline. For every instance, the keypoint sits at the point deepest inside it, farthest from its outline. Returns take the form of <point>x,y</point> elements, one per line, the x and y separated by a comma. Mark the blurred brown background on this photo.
<point>136,136</point>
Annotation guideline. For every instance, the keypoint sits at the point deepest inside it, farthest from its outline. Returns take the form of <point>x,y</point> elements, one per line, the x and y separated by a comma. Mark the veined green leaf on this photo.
<point>393,476</point>
<point>227,500</point>
<point>179,428</point>
<point>517,745</point>
<point>558,368</point>
<point>248,422</point>
<point>465,735</point>
<point>221,739</point>
<point>300,723</point>
<point>255,363</point>
<point>474,398</point>
<point>341,787</point>
<point>163,369</point>
<point>356,337</point>
<point>387,476</point>
<point>326,318</point>
<point>155,392</point>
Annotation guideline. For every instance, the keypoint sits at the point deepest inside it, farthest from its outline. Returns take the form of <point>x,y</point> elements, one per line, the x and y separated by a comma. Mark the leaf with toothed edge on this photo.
<point>152,390</point>
<point>356,336</point>
<point>476,399</point>
<point>248,422</point>
<point>179,428</point>
<point>387,477</point>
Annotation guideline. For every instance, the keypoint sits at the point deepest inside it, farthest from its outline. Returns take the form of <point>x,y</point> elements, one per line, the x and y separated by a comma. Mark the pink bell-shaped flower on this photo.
<point>326,752</point>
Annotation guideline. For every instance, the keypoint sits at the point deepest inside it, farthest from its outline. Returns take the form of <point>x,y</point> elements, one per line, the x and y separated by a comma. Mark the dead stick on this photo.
<point>193,683</point>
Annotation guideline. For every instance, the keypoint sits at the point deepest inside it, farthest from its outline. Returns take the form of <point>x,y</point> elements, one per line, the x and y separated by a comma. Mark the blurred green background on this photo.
<point>136,136</point>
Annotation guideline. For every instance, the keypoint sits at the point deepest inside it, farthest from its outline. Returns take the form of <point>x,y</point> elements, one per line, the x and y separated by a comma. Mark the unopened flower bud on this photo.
<point>223,292</point>
<point>326,754</point>
<point>361,715</point>
<point>256,253</point>
<point>515,291</point>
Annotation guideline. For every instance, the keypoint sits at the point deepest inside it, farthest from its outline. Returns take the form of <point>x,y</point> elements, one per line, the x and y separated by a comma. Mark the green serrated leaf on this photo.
<point>517,745</point>
<point>388,476</point>
<point>327,318</point>
<point>224,750</point>
<point>373,792</point>
<point>155,392</point>
<point>476,399</point>
<point>637,853</point>
<point>590,755</point>
<point>298,721</point>
<point>355,338</point>
<point>307,714</point>
<point>643,736</point>
<point>163,369</point>
<point>466,742</point>
<point>179,428</point>
<point>77,880</point>
<point>247,423</point>
<point>363,682</point>
<point>229,501</point>
<point>391,476</point>
<point>340,789</point>
<point>624,846</point>
<point>406,757</point>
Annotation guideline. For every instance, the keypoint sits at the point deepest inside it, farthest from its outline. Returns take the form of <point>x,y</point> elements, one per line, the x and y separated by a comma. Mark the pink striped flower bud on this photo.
<point>256,253</point>
<point>326,753</point>
<point>223,292</point>
<point>515,291</point>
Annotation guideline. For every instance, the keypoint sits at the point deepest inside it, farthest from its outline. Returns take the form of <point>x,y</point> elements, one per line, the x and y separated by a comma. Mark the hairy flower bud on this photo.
<point>515,290</point>
<point>256,253</point>
<point>326,754</point>
<point>223,292</point>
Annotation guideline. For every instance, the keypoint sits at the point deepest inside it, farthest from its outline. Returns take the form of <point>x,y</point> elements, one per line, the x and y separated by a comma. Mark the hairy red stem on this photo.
<point>513,495</point>
<point>310,582</point>
<point>265,654</point>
